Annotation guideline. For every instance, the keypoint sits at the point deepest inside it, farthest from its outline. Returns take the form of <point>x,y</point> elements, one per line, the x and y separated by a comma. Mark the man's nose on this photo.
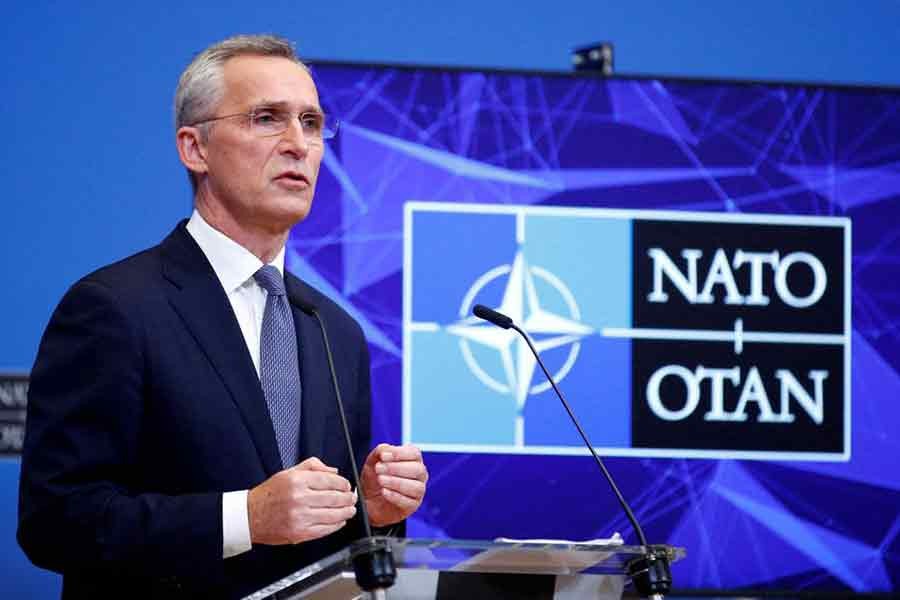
<point>295,139</point>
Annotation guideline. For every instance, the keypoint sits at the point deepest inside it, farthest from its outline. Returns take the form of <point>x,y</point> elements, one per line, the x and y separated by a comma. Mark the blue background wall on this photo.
<point>92,175</point>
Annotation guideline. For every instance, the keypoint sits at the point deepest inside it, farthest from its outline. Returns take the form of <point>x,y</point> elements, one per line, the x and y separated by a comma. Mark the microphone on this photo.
<point>488,314</point>
<point>373,561</point>
<point>650,572</point>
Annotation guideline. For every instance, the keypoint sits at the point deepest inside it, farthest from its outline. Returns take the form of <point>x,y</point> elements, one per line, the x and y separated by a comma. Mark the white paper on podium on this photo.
<point>614,540</point>
<point>551,556</point>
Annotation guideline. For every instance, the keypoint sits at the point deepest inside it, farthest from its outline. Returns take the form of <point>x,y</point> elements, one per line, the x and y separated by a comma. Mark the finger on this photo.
<point>375,455</point>
<point>411,488</point>
<point>408,505</point>
<point>314,464</point>
<point>399,453</point>
<point>331,516</point>
<point>330,499</point>
<point>408,469</point>
<point>322,481</point>
<point>319,531</point>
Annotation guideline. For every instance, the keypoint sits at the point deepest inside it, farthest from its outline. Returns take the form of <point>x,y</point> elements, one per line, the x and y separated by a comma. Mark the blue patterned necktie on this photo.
<point>279,369</point>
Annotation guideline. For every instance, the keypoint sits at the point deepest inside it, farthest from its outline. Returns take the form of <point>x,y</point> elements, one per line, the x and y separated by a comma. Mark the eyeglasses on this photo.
<point>267,122</point>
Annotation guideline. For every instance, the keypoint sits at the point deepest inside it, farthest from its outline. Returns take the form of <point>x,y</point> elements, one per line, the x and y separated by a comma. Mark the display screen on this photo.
<point>708,268</point>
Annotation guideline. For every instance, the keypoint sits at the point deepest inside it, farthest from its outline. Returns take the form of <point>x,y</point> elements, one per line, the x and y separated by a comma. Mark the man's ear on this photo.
<point>191,149</point>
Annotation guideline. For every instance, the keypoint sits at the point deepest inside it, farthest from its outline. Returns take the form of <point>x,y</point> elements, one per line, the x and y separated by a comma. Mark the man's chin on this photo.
<point>290,212</point>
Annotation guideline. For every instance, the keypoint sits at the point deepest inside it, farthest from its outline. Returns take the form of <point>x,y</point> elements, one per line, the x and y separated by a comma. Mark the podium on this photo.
<point>429,569</point>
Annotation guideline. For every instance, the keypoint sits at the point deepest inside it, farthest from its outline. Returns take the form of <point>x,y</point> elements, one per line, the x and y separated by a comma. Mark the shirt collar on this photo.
<point>233,263</point>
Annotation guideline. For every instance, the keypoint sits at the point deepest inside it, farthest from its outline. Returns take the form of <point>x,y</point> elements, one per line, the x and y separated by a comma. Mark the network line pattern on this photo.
<point>463,137</point>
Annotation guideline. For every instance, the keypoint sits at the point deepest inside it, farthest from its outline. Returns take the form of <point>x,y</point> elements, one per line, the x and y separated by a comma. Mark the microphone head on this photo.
<point>497,318</point>
<point>300,301</point>
<point>298,295</point>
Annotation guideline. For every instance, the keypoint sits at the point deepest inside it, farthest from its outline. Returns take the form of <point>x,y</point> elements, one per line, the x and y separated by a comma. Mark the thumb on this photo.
<point>375,455</point>
<point>314,464</point>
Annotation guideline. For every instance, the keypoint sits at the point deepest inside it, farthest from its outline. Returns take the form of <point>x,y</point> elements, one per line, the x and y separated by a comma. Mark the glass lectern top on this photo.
<point>478,556</point>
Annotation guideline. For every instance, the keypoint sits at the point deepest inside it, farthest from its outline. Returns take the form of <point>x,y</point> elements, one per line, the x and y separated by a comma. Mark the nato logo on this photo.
<point>672,334</point>
<point>13,402</point>
<point>471,386</point>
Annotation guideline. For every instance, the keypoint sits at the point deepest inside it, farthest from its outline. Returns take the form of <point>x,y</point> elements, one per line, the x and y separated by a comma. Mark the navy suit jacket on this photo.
<point>144,407</point>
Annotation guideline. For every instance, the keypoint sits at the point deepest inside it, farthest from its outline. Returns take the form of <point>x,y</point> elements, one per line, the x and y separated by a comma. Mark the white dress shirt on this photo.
<point>234,266</point>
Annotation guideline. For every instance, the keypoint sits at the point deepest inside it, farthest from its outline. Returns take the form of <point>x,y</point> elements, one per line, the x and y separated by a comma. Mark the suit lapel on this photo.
<point>315,378</point>
<point>197,296</point>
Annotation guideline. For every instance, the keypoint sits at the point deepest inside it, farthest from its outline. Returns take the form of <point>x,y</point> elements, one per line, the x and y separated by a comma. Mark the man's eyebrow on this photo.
<point>286,106</point>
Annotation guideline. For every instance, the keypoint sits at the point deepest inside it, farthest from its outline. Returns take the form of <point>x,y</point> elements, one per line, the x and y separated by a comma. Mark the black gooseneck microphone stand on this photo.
<point>650,573</point>
<point>373,561</point>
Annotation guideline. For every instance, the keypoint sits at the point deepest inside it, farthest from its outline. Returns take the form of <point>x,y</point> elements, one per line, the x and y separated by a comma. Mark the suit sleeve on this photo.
<point>79,509</point>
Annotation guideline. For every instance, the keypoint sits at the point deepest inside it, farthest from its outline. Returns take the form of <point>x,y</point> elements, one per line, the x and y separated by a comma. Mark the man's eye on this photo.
<point>311,122</point>
<point>271,118</point>
<point>264,116</point>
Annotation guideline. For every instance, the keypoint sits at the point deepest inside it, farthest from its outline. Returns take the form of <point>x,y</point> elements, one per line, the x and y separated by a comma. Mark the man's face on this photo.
<point>263,182</point>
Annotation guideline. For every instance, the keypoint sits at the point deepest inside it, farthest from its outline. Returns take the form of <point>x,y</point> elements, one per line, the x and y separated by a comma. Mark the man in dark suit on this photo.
<point>182,435</point>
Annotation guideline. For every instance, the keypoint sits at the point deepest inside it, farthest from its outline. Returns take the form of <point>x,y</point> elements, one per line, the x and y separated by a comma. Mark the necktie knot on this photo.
<point>270,279</point>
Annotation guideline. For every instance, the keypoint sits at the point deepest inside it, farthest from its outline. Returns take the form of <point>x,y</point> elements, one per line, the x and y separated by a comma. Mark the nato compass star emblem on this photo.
<point>548,330</point>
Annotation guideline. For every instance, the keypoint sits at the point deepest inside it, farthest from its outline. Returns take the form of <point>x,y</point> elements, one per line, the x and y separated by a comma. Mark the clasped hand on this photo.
<point>311,500</point>
<point>393,481</point>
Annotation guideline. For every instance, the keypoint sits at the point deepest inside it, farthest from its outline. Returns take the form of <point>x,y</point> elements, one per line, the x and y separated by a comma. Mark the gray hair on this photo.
<point>201,85</point>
